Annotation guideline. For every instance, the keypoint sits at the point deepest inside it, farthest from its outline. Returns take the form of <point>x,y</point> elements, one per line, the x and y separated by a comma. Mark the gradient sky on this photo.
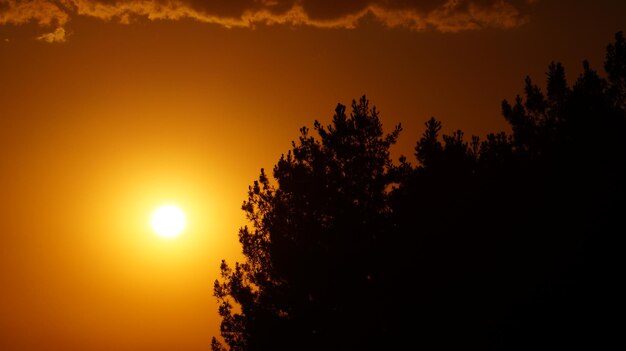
<point>111,108</point>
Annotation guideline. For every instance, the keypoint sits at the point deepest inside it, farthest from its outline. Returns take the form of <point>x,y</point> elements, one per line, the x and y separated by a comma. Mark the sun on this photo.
<point>168,221</point>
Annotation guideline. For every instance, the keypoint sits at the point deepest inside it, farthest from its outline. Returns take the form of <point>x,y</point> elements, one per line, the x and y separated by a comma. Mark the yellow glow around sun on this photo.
<point>168,221</point>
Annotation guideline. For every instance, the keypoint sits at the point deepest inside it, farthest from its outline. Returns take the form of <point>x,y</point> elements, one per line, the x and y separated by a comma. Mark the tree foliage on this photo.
<point>314,231</point>
<point>507,242</point>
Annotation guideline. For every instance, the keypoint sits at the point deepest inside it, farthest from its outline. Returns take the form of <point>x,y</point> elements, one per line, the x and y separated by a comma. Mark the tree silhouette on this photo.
<point>518,240</point>
<point>511,242</point>
<point>310,254</point>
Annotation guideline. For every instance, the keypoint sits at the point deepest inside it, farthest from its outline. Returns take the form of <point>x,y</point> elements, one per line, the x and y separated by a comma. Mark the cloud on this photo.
<point>419,15</point>
<point>42,12</point>
<point>58,36</point>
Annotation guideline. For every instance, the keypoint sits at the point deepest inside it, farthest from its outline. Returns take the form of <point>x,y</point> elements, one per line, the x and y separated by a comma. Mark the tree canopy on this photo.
<point>507,242</point>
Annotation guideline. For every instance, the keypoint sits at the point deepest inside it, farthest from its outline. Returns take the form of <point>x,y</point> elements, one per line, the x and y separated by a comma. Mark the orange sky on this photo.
<point>110,108</point>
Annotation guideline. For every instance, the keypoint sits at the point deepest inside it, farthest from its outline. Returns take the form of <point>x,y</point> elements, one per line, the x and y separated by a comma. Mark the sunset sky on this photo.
<point>109,109</point>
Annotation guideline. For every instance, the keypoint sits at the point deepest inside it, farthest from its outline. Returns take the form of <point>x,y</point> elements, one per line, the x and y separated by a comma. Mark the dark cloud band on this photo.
<point>439,15</point>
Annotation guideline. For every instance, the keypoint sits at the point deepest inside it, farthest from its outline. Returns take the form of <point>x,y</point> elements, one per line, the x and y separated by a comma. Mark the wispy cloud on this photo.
<point>58,36</point>
<point>43,12</point>
<point>419,15</point>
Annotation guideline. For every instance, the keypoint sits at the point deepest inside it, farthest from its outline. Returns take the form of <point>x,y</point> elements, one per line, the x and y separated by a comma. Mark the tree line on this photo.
<point>511,241</point>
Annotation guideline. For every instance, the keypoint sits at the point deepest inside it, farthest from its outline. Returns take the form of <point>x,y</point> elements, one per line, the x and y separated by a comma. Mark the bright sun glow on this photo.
<point>168,221</point>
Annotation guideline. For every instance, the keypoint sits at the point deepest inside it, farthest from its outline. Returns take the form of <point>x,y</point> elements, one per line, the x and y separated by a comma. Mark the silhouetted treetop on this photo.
<point>308,252</point>
<point>512,241</point>
<point>429,150</point>
<point>615,67</point>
